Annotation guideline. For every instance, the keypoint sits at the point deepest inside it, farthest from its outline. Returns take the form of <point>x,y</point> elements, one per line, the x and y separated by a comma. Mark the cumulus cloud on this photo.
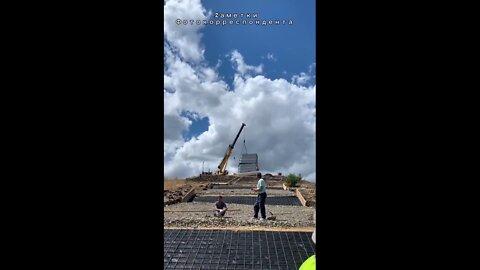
<point>280,115</point>
<point>219,63</point>
<point>186,38</point>
<point>240,65</point>
<point>280,119</point>
<point>301,79</point>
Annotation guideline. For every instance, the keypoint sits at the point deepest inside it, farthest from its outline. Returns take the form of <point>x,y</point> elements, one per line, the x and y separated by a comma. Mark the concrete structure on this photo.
<point>248,163</point>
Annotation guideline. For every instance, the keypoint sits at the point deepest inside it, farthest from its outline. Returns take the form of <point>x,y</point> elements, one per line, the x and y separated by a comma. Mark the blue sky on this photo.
<point>292,46</point>
<point>217,77</point>
<point>199,125</point>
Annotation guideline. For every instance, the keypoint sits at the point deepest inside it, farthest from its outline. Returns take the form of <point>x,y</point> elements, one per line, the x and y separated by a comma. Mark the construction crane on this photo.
<point>223,165</point>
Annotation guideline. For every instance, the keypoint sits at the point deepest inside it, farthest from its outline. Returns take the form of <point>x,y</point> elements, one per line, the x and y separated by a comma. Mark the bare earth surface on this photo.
<point>178,214</point>
<point>286,216</point>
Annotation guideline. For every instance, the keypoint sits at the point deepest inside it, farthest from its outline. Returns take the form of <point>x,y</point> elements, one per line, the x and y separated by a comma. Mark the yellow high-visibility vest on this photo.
<point>308,264</point>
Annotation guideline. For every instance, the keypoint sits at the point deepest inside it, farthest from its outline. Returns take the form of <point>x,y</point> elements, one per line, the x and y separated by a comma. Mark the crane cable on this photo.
<point>244,145</point>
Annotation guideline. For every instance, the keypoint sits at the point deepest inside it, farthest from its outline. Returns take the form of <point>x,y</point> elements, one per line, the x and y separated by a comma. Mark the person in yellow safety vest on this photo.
<point>309,264</point>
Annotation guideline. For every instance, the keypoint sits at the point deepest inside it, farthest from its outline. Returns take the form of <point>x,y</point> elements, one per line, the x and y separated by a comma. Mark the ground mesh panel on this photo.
<point>230,187</point>
<point>278,200</point>
<point>239,187</point>
<point>221,249</point>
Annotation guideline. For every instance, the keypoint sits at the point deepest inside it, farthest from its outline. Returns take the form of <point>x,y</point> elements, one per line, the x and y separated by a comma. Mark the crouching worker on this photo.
<point>220,207</point>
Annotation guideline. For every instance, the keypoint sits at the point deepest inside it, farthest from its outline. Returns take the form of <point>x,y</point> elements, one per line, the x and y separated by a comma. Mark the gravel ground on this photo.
<point>286,216</point>
<point>236,192</point>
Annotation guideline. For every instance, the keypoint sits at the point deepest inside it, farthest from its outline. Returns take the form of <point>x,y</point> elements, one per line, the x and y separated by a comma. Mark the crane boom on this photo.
<point>223,164</point>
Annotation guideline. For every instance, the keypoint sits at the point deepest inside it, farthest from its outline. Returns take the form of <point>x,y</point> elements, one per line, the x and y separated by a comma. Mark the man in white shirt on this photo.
<point>262,195</point>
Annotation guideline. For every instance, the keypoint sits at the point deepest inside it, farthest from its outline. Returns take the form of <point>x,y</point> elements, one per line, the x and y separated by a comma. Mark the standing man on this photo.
<point>262,195</point>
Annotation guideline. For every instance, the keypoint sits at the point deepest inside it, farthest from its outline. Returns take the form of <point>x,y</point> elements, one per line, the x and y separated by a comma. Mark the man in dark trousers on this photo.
<point>220,207</point>
<point>262,195</point>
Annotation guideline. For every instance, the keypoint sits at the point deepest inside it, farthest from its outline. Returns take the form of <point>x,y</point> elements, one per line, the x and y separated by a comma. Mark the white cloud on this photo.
<point>301,79</point>
<point>185,38</point>
<point>240,65</point>
<point>280,119</point>
<point>280,115</point>
<point>270,56</point>
<point>312,68</point>
<point>174,125</point>
<point>219,63</point>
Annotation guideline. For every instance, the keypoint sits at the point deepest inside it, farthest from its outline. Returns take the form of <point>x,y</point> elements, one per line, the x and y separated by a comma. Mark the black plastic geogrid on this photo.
<point>231,187</point>
<point>221,249</point>
<point>239,187</point>
<point>278,200</point>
